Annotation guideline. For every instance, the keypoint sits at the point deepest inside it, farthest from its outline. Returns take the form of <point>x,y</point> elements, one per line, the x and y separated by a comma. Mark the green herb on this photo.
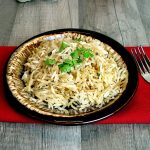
<point>79,60</point>
<point>98,74</point>
<point>75,54</point>
<point>63,46</point>
<point>49,61</point>
<point>65,67</point>
<point>76,61</point>
<point>69,62</point>
<point>87,53</point>
<point>80,50</point>
<point>77,39</point>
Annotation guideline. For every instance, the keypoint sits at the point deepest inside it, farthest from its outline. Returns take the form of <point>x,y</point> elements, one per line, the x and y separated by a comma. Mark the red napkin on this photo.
<point>137,111</point>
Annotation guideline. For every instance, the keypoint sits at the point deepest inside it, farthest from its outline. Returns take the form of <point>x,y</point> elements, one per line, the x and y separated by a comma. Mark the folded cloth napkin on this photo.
<point>136,111</point>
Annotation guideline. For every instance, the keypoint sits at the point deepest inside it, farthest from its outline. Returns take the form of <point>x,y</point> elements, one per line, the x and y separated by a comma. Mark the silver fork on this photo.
<point>142,61</point>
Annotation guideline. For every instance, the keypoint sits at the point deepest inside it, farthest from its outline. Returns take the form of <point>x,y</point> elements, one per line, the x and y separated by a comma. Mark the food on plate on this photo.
<point>71,73</point>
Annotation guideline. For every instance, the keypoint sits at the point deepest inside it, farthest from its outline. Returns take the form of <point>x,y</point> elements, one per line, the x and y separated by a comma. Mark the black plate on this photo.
<point>99,115</point>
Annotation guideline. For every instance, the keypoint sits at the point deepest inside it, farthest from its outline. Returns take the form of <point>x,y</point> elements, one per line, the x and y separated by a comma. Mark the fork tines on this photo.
<point>141,59</point>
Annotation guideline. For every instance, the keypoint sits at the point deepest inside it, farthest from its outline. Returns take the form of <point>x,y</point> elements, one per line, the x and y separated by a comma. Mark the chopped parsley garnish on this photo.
<point>77,57</point>
<point>65,67</point>
<point>98,74</point>
<point>77,61</point>
<point>68,64</point>
<point>49,61</point>
<point>74,61</point>
<point>63,46</point>
<point>75,54</point>
<point>77,39</point>
<point>87,53</point>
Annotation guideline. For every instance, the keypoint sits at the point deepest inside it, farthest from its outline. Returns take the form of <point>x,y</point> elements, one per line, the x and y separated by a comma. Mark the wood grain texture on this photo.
<point>127,21</point>
<point>40,16</point>
<point>130,24</point>
<point>7,15</point>
<point>143,8</point>
<point>61,137</point>
<point>115,137</point>
<point>141,137</point>
<point>19,136</point>
<point>39,137</point>
<point>118,137</point>
<point>100,16</point>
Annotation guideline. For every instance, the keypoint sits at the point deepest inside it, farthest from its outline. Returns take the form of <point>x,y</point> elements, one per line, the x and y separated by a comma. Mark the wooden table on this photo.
<point>127,21</point>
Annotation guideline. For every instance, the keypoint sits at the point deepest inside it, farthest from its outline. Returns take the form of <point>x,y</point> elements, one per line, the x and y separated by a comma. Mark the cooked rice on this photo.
<point>92,84</point>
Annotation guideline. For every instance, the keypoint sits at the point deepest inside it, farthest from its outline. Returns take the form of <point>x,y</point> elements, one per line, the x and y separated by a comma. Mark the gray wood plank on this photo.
<point>40,16</point>
<point>61,137</point>
<point>143,7</point>
<point>115,137</point>
<point>74,13</point>
<point>142,137</point>
<point>7,15</point>
<point>130,24</point>
<point>20,136</point>
<point>39,137</point>
<point>100,16</point>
